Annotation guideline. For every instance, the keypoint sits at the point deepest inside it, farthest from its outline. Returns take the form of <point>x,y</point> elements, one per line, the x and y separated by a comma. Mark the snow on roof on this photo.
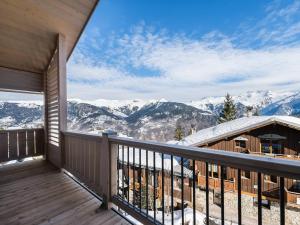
<point>237,126</point>
<point>158,158</point>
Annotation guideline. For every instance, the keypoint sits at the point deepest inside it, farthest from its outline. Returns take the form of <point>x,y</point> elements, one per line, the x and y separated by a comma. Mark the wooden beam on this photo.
<point>62,82</point>
<point>20,81</point>
<point>62,91</point>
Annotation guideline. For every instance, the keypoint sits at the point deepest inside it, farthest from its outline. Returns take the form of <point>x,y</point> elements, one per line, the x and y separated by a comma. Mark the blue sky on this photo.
<point>186,50</point>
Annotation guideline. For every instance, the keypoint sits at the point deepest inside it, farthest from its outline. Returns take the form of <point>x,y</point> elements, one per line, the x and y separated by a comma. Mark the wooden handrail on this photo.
<point>20,129</point>
<point>268,165</point>
<point>83,135</point>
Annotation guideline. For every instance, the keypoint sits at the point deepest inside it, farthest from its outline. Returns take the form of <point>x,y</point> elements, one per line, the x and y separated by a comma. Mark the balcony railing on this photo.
<point>21,143</point>
<point>157,183</point>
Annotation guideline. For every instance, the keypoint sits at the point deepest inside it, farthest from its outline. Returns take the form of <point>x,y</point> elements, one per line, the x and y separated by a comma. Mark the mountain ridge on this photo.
<point>149,119</point>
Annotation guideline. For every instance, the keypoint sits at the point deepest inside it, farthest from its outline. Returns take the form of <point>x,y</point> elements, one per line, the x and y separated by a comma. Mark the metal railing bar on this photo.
<point>239,198</point>
<point>222,196</point>
<point>207,192</point>
<point>147,182</point>
<point>140,183</point>
<point>123,171</point>
<point>128,172</point>
<point>182,191</point>
<point>118,168</point>
<point>259,206</point>
<point>282,201</point>
<point>163,189</point>
<point>134,197</point>
<point>172,191</point>
<point>154,186</point>
<point>194,193</point>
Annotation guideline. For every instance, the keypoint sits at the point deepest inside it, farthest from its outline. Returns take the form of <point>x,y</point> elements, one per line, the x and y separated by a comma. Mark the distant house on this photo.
<point>145,168</point>
<point>265,136</point>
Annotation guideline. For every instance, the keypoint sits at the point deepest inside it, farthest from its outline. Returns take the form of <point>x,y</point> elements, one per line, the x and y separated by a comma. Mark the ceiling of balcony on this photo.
<point>29,28</point>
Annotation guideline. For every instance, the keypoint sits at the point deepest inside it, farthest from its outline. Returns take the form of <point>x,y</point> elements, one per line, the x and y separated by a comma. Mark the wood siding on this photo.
<point>29,29</point>
<point>56,103</point>
<point>83,157</point>
<point>291,146</point>
<point>16,80</point>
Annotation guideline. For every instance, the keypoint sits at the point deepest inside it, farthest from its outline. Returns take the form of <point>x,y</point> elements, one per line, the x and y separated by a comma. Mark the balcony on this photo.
<point>105,179</point>
<point>145,180</point>
<point>35,192</point>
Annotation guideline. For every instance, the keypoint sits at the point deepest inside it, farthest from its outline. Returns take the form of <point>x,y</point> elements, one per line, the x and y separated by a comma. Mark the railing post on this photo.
<point>108,167</point>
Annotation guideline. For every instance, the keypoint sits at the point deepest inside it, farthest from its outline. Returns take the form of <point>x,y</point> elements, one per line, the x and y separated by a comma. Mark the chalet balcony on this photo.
<point>52,175</point>
<point>104,179</point>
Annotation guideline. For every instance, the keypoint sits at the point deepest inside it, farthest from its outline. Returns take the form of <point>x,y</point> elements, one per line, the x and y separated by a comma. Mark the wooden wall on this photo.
<point>291,147</point>
<point>291,144</point>
<point>56,104</point>
<point>16,80</point>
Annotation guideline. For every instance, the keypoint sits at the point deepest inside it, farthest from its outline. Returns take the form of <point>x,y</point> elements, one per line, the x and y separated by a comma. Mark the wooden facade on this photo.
<point>289,147</point>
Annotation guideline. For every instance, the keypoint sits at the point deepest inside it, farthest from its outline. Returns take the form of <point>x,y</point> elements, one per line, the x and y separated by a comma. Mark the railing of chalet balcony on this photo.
<point>21,143</point>
<point>116,168</point>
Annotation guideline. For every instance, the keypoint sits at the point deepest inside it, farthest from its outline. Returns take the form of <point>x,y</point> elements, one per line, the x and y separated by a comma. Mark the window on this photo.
<point>246,174</point>
<point>270,178</point>
<point>213,170</point>
<point>240,144</point>
<point>274,147</point>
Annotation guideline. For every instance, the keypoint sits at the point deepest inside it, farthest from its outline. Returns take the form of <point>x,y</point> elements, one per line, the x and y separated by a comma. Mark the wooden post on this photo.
<point>45,116</point>
<point>108,169</point>
<point>62,92</point>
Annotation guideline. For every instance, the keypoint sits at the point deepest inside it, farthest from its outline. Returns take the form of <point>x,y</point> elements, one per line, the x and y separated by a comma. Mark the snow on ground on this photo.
<point>27,103</point>
<point>115,103</point>
<point>7,120</point>
<point>234,127</point>
<point>188,218</point>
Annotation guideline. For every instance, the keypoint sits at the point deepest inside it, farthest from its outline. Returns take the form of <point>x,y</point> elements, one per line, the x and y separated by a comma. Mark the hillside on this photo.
<point>151,119</point>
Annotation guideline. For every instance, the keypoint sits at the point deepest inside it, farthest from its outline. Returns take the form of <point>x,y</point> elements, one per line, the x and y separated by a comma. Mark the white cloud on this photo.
<point>149,63</point>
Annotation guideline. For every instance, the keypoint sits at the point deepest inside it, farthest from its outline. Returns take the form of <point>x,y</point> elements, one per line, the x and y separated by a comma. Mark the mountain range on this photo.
<point>150,119</point>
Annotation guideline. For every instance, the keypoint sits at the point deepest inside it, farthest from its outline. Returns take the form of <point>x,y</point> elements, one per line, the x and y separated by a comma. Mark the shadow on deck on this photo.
<point>34,192</point>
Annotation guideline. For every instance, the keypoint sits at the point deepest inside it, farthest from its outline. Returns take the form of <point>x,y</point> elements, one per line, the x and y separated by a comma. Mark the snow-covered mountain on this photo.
<point>286,106</point>
<point>255,99</point>
<point>150,119</point>
<point>21,114</point>
<point>153,121</point>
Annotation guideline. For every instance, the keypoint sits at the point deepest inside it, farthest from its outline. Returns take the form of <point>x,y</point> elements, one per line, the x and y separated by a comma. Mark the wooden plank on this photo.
<point>47,198</point>
<point>22,144</point>
<point>13,145</point>
<point>30,143</point>
<point>3,147</point>
<point>16,80</point>
<point>29,30</point>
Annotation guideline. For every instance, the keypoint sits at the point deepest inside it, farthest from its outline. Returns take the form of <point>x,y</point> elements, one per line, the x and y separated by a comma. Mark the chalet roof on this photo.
<point>236,127</point>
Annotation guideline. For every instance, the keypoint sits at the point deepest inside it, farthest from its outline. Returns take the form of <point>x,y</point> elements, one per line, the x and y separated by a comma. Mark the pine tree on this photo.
<point>178,133</point>
<point>192,129</point>
<point>229,111</point>
<point>256,112</point>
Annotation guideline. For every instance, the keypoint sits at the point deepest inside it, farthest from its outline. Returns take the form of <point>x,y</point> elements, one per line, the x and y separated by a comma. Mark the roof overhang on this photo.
<point>247,129</point>
<point>29,30</point>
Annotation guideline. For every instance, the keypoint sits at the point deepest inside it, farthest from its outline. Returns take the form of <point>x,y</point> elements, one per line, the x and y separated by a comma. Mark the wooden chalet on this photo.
<point>261,136</point>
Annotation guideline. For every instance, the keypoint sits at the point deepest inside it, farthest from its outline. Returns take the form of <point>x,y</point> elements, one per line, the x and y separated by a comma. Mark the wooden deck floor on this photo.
<point>36,193</point>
